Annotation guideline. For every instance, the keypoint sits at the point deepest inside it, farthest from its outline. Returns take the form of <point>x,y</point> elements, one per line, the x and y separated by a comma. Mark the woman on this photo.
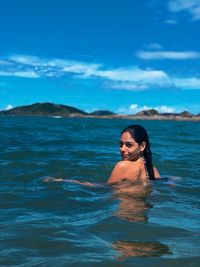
<point>136,164</point>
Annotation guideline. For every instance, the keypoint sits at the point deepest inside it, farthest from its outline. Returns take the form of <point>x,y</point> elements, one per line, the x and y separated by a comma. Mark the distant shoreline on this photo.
<point>141,117</point>
<point>154,117</point>
<point>63,111</point>
<point>118,116</point>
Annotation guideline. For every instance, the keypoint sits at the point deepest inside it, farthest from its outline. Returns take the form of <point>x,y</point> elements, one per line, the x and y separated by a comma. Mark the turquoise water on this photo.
<point>66,224</point>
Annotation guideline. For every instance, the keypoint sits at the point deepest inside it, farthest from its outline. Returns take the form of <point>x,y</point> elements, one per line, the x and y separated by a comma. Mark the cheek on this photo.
<point>135,150</point>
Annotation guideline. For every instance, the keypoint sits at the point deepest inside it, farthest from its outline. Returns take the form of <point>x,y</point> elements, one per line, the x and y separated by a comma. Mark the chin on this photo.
<point>125,159</point>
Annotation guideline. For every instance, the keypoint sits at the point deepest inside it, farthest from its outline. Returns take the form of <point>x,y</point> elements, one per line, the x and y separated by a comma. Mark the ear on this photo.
<point>142,146</point>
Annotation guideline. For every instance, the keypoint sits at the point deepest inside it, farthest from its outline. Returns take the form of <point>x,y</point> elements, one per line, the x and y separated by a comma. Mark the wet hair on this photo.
<point>139,134</point>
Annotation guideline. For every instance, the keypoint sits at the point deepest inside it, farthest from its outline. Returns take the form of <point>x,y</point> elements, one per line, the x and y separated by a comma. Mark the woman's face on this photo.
<point>129,148</point>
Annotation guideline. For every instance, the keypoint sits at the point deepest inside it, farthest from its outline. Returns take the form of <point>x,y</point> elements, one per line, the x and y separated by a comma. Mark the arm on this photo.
<point>53,179</point>
<point>81,183</point>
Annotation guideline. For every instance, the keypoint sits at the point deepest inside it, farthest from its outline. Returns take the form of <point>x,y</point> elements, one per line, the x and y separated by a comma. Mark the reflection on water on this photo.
<point>133,205</point>
<point>140,249</point>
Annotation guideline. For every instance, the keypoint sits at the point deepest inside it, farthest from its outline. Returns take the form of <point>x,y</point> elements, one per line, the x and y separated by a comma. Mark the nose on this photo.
<point>123,148</point>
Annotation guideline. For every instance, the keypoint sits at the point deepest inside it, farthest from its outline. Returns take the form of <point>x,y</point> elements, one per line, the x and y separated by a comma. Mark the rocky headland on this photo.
<point>56,110</point>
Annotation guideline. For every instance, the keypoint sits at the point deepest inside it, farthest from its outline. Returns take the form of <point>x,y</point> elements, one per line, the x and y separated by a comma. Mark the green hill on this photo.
<point>44,109</point>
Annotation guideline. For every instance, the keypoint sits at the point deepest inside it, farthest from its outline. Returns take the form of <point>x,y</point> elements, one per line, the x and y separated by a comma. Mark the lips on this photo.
<point>124,157</point>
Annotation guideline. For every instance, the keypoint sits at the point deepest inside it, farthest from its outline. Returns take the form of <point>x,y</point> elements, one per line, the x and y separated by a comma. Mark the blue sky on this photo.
<point>118,55</point>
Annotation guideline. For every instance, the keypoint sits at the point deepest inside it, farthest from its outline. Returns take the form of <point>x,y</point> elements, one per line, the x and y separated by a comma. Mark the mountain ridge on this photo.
<point>59,110</point>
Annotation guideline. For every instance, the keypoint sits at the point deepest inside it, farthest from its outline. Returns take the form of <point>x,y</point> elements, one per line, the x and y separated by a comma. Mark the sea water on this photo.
<point>67,224</point>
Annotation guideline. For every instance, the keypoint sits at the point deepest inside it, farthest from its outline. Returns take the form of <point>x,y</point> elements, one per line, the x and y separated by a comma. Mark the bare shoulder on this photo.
<point>123,164</point>
<point>124,170</point>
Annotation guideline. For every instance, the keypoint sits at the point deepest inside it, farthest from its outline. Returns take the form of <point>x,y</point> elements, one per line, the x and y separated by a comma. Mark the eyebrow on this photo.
<point>126,141</point>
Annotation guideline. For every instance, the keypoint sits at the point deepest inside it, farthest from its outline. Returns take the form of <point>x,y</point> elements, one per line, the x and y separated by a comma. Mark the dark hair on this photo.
<point>139,134</point>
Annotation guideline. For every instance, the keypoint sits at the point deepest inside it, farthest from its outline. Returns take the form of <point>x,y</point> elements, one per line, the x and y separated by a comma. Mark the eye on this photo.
<point>128,144</point>
<point>120,143</point>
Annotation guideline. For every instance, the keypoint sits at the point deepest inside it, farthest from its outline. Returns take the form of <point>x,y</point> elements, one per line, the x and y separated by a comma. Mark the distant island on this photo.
<point>56,110</point>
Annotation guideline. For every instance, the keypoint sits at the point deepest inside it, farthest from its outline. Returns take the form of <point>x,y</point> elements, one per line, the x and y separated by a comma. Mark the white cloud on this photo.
<point>190,6</point>
<point>128,86</point>
<point>60,67</point>
<point>54,67</point>
<point>24,74</point>
<point>130,74</point>
<point>130,78</point>
<point>187,83</point>
<point>8,107</point>
<point>56,64</point>
<point>84,69</point>
<point>135,108</point>
<point>80,68</point>
<point>165,109</point>
<point>159,55</point>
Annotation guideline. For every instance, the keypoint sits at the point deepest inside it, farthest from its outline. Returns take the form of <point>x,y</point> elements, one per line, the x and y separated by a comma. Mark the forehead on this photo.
<point>126,136</point>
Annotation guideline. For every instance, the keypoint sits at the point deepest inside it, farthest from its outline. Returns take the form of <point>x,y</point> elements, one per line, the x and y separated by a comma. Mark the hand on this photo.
<point>52,179</point>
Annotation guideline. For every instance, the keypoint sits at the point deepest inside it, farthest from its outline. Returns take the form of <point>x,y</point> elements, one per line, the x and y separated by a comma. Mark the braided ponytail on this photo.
<point>148,163</point>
